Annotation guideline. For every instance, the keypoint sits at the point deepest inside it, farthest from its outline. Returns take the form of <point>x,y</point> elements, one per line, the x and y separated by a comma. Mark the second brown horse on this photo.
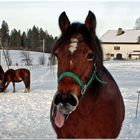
<point>17,76</point>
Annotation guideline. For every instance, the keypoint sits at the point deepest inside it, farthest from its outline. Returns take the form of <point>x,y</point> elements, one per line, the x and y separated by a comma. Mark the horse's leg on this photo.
<point>26,90</point>
<point>27,84</point>
<point>14,90</point>
<point>5,86</point>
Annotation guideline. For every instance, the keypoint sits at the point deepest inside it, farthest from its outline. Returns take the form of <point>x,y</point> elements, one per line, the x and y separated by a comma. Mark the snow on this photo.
<point>127,75</point>
<point>130,36</point>
<point>26,115</point>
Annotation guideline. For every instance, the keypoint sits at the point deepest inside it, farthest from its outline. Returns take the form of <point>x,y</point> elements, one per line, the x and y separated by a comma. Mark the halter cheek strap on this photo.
<point>83,86</point>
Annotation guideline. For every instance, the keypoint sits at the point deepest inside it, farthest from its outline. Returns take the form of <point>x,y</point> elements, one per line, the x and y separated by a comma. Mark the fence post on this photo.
<point>137,103</point>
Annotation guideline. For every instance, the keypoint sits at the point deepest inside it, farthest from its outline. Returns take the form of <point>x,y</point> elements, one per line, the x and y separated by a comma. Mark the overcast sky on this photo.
<point>110,14</point>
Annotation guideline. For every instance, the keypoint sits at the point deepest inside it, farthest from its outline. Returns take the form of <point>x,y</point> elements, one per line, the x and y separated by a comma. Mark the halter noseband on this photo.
<point>83,86</point>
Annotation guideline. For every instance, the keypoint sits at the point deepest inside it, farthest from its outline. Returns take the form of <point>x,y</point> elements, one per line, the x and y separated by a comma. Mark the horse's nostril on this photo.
<point>71,99</point>
<point>65,98</point>
<point>57,99</point>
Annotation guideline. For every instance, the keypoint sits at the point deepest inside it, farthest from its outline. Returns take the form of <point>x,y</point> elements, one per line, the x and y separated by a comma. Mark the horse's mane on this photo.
<point>87,36</point>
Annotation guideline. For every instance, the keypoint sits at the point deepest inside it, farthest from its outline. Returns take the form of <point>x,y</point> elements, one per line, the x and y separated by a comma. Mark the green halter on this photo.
<point>83,86</point>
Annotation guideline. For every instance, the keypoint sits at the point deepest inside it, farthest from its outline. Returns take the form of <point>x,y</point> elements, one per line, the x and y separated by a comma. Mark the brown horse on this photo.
<point>1,78</point>
<point>17,76</point>
<point>88,102</point>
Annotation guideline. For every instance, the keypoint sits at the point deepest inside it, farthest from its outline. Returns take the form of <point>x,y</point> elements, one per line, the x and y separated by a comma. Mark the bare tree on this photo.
<point>42,60</point>
<point>26,58</point>
<point>7,55</point>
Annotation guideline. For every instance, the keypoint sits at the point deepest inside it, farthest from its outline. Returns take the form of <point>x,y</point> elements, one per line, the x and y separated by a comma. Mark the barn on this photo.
<point>121,44</point>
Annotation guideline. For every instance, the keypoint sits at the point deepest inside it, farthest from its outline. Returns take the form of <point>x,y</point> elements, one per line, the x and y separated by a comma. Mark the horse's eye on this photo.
<point>90,56</point>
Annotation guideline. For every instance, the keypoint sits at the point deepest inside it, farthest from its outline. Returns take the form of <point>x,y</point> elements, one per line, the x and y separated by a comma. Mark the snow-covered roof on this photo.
<point>127,36</point>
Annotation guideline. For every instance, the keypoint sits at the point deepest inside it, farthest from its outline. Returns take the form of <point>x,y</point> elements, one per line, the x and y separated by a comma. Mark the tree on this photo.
<point>31,40</point>
<point>42,34</point>
<point>12,38</point>
<point>24,40</point>
<point>18,38</point>
<point>49,43</point>
<point>26,58</point>
<point>7,55</point>
<point>4,34</point>
<point>15,38</point>
<point>42,60</point>
<point>36,37</point>
<point>137,24</point>
<point>33,37</point>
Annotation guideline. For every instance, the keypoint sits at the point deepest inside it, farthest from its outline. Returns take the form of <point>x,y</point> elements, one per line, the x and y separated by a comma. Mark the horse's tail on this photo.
<point>28,81</point>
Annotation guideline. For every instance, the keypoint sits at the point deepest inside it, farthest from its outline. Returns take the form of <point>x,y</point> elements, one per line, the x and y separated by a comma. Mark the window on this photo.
<point>112,55</point>
<point>116,48</point>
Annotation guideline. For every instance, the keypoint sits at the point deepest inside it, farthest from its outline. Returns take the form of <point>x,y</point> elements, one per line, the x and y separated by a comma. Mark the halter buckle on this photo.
<point>83,91</point>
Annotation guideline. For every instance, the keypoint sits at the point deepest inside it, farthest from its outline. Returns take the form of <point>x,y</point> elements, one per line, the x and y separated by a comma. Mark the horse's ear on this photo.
<point>64,22</point>
<point>90,22</point>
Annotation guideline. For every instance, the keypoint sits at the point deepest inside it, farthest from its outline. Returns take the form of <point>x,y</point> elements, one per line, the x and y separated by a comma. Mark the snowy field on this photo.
<point>26,115</point>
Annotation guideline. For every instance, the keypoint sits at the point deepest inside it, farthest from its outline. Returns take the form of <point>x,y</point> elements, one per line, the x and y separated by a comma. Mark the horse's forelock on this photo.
<point>75,28</point>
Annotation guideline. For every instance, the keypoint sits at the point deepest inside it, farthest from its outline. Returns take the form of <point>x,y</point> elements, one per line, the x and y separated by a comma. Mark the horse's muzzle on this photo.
<point>64,104</point>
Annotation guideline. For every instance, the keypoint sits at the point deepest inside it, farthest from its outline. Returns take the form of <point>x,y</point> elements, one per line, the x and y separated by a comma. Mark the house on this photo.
<point>121,44</point>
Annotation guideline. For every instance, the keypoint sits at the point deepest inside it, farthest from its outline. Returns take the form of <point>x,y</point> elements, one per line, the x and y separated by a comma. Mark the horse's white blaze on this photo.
<point>71,63</point>
<point>73,45</point>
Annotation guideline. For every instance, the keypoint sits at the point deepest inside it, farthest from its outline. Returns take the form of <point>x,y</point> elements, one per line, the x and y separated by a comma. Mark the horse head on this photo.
<point>79,58</point>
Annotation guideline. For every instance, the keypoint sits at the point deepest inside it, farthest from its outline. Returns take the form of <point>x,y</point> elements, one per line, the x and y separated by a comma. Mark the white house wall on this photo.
<point>125,49</point>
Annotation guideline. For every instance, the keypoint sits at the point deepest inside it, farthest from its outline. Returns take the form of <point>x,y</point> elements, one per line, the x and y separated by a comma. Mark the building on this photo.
<point>121,44</point>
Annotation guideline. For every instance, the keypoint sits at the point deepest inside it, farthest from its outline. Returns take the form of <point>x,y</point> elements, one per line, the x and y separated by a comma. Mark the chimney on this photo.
<point>120,31</point>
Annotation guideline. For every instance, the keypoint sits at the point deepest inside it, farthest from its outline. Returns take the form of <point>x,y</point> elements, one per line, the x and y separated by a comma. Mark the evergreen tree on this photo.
<point>18,38</point>
<point>24,40</point>
<point>49,43</point>
<point>15,39</point>
<point>12,38</point>
<point>33,39</point>
<point>29,38</point>
<point>42,34</point>
<point>4,34</point>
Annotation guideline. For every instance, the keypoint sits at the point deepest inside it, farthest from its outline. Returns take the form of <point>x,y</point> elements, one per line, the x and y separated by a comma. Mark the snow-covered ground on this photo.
<point>26,115</point>
<point>127,75</point>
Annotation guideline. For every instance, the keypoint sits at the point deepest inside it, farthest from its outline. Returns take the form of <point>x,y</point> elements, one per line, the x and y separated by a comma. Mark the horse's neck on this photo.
<point>89,100</point>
